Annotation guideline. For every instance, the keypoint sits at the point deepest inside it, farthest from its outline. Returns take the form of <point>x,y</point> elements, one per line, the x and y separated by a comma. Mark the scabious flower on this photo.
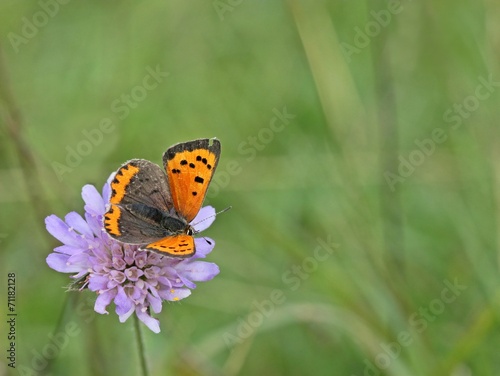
<point>136,281</point>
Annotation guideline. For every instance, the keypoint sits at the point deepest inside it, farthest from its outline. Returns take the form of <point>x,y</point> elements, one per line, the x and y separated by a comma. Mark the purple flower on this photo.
<point>135,280</point>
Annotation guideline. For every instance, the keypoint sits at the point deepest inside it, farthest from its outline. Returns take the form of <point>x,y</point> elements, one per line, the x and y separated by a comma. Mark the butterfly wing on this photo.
<point>139,200</point>
<point>141,182</point>
<point>190,167</point>
<point>181,246</point>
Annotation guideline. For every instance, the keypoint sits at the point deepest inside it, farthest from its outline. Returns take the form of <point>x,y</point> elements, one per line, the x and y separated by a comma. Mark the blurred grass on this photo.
<point>321,177</point>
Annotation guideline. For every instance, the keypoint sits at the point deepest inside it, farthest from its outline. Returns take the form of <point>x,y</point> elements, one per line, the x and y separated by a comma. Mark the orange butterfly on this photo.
<point>154,207</point>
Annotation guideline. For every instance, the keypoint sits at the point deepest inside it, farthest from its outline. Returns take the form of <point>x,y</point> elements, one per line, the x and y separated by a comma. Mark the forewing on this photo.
<point>138,185</point>
<point>141,182</point>
<point>190,167</point>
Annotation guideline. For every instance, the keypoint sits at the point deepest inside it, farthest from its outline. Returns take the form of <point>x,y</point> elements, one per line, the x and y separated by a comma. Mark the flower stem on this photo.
<point>140,347</point>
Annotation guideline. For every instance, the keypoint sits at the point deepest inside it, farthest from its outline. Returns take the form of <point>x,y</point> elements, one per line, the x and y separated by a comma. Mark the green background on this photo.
<point>391,156</point>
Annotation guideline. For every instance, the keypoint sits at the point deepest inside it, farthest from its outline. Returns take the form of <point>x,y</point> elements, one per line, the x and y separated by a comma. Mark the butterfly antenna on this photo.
<point>210,216</point>
<point>224,210</point>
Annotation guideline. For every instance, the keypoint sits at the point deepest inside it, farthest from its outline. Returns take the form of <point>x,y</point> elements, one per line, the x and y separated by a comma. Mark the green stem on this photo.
<point>140,347</point>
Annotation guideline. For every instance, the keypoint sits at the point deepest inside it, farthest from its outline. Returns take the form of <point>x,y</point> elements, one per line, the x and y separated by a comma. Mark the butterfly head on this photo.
<point>189,230</point>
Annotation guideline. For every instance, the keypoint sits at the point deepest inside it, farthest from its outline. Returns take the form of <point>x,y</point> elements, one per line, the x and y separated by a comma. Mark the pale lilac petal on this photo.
<point>152,272</point>
<point>133,291</point>
<point>152,288</point>
<point>94,203</point>
<point>59,263</point>
<point>129,255</point>
<point>165,282</point>
<point>185,281</point>
<point>154,258</point>
<point>98,282</point>
<point>199,271</point>
<point>80,260</point>
<point>103,300</point>
<point>141,259</point>
<point>80,274</point>
<point>204,218</point>
<point>106,189</point>
<point>155,303</point>
<point>133,273</point>
<point>67,250</point>
<point>117,276</point>
<point>61,231</point>
<point>76,221</point>
<point>174,294</point>
<point>124,317</point>
<point>123,303</point>
<point>203,246</point>
<point>95,224</point>
<point>150,322</point>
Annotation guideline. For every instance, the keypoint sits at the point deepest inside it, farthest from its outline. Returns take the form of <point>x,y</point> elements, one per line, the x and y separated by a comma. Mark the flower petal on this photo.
<point>67,250</point>
<point>155,303</point>
<point>103,300</point>
<point>133,274</point>
<point>62,232</point>
<point>203,246</point>
<point>59,263</point>
<point>94,203</point>
<point>80,260</point>
<point>95,223</point>
<point>106,189</point>
<point>98,282</point>
<point>198,271</point>
<point>204,218</point>
<point>186,282</point>
<point>174,295</point>
<point>124,317</point>
<point>123,303</point>
<point>76,221</point>
<point>150,322</point>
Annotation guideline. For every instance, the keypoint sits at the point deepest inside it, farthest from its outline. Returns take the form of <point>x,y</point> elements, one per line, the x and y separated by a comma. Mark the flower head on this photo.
<point>135,280</point>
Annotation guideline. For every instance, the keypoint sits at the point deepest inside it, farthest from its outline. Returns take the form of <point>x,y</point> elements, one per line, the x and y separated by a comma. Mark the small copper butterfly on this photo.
<point>154,207</point>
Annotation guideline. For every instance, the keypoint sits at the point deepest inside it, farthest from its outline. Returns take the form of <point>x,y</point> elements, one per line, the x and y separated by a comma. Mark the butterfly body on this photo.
<point>169,222</point>
<point>154,207</point>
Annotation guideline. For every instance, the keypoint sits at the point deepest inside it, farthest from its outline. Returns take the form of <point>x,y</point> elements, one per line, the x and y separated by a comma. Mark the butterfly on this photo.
<point>153,207</point>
